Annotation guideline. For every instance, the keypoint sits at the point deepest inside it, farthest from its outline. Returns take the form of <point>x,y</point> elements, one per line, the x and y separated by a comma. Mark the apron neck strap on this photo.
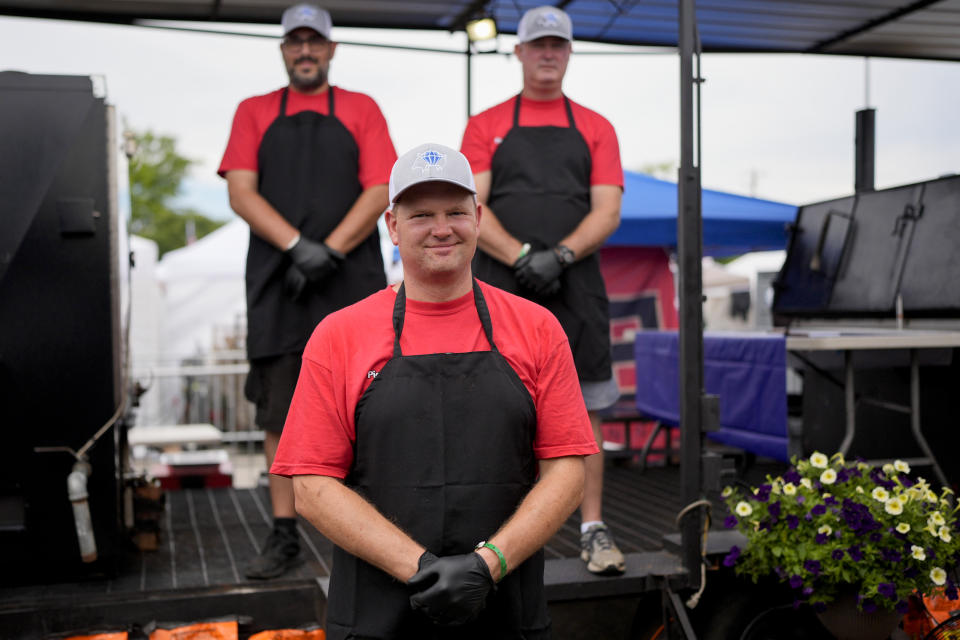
<point>566,103</point>
<point>286,91</point>
<point>400,305</point>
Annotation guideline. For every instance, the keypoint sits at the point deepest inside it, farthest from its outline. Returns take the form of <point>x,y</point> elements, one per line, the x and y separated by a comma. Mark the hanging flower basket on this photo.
<point>827,526</point>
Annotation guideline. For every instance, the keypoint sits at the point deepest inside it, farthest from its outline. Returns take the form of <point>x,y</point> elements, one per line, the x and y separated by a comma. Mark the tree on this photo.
<point>156,174</point>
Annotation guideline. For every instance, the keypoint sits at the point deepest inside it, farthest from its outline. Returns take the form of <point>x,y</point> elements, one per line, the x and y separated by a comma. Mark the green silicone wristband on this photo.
<point>493,547</point>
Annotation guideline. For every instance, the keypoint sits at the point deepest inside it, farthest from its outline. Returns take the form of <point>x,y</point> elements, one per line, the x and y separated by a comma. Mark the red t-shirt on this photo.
<point>357,111</point>
<point>485,131</point>
<point>349,346</point>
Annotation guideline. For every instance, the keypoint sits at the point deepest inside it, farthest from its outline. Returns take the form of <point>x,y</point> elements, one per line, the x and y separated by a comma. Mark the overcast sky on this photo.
<point>779,127</point>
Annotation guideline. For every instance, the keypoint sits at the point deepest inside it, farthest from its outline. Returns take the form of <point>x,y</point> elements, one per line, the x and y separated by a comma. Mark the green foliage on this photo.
<point>825,525</point>
<point>156,173</point>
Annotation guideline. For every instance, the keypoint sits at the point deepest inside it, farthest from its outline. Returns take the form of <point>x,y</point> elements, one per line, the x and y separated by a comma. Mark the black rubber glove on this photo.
<point>540,272</point>
<point>451,590</point>
<point>294,282</point>
<point>315,260</point>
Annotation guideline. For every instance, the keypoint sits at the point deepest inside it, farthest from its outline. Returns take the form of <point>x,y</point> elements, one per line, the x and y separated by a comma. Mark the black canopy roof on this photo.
<point>928,29</point>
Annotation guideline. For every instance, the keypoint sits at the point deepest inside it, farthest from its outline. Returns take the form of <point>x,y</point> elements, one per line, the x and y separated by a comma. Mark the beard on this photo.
<point>308,82</point>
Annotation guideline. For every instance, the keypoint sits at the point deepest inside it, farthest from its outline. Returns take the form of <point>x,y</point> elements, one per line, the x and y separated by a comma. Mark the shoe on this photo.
<point>280,553</point>
<point>600,552</point>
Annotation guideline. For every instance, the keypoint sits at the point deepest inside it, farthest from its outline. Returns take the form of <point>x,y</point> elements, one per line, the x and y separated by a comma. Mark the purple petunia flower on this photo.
<point>763,493</point>
<point>796,581</point>
<point>887,590</point>
<point>801,499</point>
<point>875,537</point>
<point>730,522</point>
<point>774,509</point>
<point>843,475</point>
<point>731,558</point>
<point>890,555</point>
<point>792,476</point>
<point>951,591</point>
<point>807,591</point>
<point>855,553</point>
<point>820,538</point>
<point>792,521</point>
<point>837,554</point>
<point>869,606</point>
<point>818,509</point>
<point>813,566</point>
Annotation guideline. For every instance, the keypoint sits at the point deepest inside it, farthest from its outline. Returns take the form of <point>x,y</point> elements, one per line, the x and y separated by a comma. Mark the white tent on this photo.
<point>203,291</point>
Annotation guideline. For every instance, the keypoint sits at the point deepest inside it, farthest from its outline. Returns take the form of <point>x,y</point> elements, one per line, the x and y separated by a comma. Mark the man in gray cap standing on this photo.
<point>306,167</point>
<point>437,433</point>
<point>548,175</point>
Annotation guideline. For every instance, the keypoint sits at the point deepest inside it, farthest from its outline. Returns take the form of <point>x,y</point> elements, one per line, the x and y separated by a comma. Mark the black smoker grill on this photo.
<point>870,298</point>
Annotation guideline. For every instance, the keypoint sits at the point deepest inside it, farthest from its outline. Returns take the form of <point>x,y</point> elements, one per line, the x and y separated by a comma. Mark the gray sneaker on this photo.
<point>600,552</point>
<point>280,553</point>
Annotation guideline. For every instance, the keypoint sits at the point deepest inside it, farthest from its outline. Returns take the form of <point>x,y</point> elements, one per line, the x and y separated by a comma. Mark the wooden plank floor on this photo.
<point>208,536</point>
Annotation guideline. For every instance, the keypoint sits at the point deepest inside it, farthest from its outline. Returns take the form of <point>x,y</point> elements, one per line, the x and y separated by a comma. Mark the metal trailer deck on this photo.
<point>207,535</point>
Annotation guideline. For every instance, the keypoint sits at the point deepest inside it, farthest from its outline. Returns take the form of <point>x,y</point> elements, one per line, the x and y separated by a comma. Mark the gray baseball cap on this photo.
<point>544,21</point>
<point>307,15</point>
<point>430,162</point>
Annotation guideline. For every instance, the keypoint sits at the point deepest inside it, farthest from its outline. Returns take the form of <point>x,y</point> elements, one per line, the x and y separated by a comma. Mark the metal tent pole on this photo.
<point>690,249</point>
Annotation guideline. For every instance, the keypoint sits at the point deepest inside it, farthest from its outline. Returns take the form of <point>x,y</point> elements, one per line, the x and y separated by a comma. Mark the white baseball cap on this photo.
<point>430,162</point>
<point>544,21</point>
<point>307,15</point>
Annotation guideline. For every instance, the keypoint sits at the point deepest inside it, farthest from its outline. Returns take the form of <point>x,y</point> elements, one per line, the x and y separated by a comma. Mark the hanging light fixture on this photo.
<point>481,28</point>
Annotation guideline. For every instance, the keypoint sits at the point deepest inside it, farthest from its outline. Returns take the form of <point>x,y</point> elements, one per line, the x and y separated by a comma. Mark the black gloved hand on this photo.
<point>294,282</point>
<point>540,272</point>
<point>315,260</point>
<point>451,590</point>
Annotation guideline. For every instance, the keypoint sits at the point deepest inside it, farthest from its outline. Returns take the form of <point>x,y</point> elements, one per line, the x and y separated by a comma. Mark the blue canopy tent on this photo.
<point>732,224</point>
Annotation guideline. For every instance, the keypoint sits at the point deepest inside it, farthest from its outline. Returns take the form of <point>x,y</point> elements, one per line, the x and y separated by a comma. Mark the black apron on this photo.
<point>540,192</point>
<point>308,165</point>
<point>444,448</point>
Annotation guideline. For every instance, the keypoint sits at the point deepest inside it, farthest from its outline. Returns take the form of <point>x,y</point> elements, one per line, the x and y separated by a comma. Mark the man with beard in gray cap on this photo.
<point>307,168</point>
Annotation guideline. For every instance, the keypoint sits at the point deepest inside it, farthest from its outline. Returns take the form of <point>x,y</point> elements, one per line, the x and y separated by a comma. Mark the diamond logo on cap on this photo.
<point>430,163</point>
<point>548,20</point>
<point>306,13</point>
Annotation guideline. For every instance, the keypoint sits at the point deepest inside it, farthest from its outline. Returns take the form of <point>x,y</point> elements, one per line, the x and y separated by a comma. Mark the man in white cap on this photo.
<point>306,168</point>
<point>549,178</point>
<point>437,433</point>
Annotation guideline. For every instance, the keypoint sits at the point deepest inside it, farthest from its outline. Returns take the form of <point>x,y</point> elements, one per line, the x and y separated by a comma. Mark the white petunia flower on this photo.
<point>825,530</point>
<point>903,527</point>
<point>789,489</point>
<point>944,534</point>
<point>726,492</point>
<point>743,509</point>
<point>880,494</point>
<point>893,506</point>
<point>819,460</point>
<point>936,518</point>
<point>805,483</point>
<point>829,476</point>
<point>888,469</point>
<point>938,576</point>
<point>918,553</point>
<point>931,496</point>
<point>859,489</point>
<point>901,466</point>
